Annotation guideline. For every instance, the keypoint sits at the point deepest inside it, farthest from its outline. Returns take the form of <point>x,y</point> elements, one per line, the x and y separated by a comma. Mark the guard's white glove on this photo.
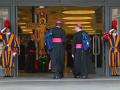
<point>72,56</point>
<point>111,31</point>
<point>2,30</point>
<point>14,53</point>
<point>7,45</point>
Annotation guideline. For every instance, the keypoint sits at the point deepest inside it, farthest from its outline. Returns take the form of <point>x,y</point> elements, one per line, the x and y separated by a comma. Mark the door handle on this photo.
<point>96,45</point>
<point>93,45</point>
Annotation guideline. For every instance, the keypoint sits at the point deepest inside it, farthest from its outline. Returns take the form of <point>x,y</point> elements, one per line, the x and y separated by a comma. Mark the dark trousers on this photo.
<point>30,62</point>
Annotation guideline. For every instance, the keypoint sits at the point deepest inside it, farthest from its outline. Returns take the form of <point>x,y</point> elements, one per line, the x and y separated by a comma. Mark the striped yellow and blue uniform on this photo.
<point>10,44</point>
<point>114,55</point>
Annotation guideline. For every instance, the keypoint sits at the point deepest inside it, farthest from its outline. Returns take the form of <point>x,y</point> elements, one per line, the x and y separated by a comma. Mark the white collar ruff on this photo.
<point>8,33</point>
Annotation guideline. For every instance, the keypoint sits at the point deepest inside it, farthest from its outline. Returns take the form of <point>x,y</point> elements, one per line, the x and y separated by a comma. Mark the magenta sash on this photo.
<point>78,45</point>
<point>57,40</point>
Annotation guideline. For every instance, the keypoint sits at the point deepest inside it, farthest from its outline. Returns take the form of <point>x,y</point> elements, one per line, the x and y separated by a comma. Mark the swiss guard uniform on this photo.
<point>1,45</point>
<point>10,48</point>
<point>114,54</point>
<point>79,56</point>
<point>58,50</point>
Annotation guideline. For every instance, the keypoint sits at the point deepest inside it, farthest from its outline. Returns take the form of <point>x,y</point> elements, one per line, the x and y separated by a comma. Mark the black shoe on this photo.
<point>61,75</point>
<point>84,77</point>
<point>56,77</point>
<point>77,76</point>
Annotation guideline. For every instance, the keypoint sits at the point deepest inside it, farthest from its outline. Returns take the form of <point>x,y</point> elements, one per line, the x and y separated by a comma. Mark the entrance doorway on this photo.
<point>30,21</point>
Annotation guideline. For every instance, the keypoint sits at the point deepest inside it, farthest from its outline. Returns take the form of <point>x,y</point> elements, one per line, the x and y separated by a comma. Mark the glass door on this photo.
<point>98,54</point>
<point>98,46</point>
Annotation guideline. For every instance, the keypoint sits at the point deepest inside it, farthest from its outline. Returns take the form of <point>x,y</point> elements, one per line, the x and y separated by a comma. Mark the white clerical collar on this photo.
<point>79,30</point>
<point>58,26</point>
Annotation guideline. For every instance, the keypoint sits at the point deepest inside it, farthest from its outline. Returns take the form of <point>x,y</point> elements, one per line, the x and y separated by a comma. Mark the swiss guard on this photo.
<point>10,49</point>
<point>80,52</point>
<point>114,40</point>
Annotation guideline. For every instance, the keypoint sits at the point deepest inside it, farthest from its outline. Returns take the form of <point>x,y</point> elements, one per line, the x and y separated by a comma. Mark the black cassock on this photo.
<point>21,58</point>
<point>80,56</point>
<point>31,51</point>
<point>58,51</point>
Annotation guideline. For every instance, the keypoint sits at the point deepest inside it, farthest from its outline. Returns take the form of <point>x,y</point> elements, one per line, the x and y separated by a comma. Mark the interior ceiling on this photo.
<point>54,13</point>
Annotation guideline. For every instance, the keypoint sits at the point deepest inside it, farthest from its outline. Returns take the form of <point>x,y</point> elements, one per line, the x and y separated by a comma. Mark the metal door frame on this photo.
<point>102,59</point>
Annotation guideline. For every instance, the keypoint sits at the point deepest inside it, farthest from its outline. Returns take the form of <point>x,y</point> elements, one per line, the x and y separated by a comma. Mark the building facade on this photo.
<point>110,10</point>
